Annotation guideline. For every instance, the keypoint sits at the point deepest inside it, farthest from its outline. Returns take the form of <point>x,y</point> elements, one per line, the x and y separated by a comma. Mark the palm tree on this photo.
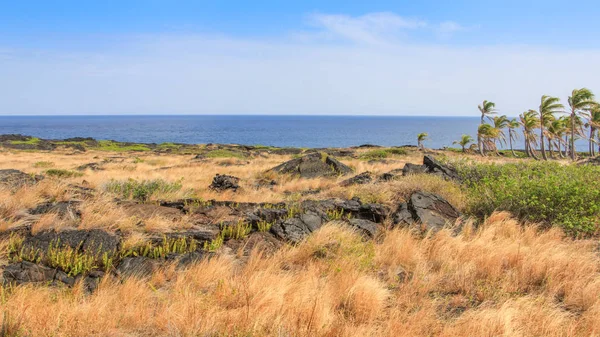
<point>529,122</point>
<point>594,123</point>
<point>556,129</point>
<point>512,135</point>
<point>486,108</point>
<point>548,107</point>
<point>421,137</point>
<point>580,101</point>
<point>500,122</point>
<point>487,135</point>
<point>464,141</point>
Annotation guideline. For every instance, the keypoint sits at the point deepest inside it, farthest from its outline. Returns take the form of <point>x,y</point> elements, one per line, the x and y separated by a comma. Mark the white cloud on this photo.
<point>180,74</point>
<point>368,28</point>
<point>449,28</point>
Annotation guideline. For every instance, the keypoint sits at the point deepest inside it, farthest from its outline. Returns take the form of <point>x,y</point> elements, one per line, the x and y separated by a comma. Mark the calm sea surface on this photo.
<point>298,131</point>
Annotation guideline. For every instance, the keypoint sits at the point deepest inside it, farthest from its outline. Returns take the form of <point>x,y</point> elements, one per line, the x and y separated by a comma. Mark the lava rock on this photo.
<point>427,211</point>
<point>27,272</point>
<point>313,165</point>
<point>222,182</point>
<point>360,179</point>
<point>15,178</point>
<point>366,227</point>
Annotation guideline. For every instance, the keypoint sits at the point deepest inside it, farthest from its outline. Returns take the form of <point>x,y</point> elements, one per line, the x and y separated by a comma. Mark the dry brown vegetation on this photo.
<point>499,279</point>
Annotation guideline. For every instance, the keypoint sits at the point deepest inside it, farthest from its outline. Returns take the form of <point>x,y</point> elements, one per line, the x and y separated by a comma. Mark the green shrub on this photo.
<point>109,145</point>
<point>142,190</point>
<point>382,153</point>
<point>224,154</point>
<point>167,246</point>
<point>237,231</point>
<point>563,195</point>
<point>43,164</point>
<point>58,173</point>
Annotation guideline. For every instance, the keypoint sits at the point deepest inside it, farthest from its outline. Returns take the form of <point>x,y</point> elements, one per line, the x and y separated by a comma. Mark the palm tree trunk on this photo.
<point>550,148</point>
<point>510,137</point>
<point>592,133</point>
<point>559,147</point>
<point>542,136</point>
<point>573,135</point>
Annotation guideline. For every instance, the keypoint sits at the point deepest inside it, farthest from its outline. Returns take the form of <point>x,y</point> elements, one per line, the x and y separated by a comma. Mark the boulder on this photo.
<point>137,266</point>
<point>360,179</point>
<point>366,227</point>
<point>222,182</point>
<point>27,272</point>
<point>313,165</point>
<point>15,178</point>
<point>435,167</point>
<point>428,211</point>
<point>297,228</point>
<point>287,151</point>
<point>431,166</point>
<point>95,241</point>
<point>413,169</point>
<point>62,208</point>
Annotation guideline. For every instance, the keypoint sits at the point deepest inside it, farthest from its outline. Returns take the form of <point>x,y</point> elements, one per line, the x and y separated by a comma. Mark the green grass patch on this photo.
<point>142,190</point>
<point>59,173</point>
<point>224,154</point>
<point>168,146</point>
<point>30,141</point>
<point>109,145</point>
<point>562,195</point>
<point>382,153</point>
<point>166,247</point>
<point>43,164</point>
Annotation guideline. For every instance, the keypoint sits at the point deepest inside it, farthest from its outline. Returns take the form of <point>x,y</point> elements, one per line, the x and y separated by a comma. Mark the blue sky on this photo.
<point>292,57</point>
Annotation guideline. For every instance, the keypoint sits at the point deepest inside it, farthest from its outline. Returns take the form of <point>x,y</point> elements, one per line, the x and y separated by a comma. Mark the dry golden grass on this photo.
<point>502,279</point>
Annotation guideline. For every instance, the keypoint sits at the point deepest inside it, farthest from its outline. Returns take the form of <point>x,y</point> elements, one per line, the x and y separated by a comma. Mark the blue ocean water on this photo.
<point>297,131</point>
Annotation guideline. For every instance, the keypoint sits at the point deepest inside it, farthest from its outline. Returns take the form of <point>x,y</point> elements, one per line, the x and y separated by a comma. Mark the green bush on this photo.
<point>142,190</point>
<point>43,164</point>
<point>382,153</point>
<point>563,195</point>
<point>224,154</point>
<point>58,173</point>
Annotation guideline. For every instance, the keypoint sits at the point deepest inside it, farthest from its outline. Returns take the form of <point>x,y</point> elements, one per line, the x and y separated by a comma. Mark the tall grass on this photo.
<point>501,279</point>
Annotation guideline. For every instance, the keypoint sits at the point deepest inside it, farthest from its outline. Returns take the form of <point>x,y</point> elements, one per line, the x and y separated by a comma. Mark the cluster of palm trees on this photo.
<point>545,131</point>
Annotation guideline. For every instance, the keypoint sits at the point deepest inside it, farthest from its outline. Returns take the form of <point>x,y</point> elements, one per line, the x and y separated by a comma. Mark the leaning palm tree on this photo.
<point>512,134</point>
<point>487,135</point>
<point>580,101</point>
<point>486,108</point>
<point>594,124</point>
<point>529,122</point>
<point>421,137</point>
<point>464,141</point>
<point>500,123</point>
<point>548,107</point>
<point>556,129</point>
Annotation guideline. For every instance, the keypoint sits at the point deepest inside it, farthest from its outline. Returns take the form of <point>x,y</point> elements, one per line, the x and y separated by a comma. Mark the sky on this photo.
<point>434,58</point>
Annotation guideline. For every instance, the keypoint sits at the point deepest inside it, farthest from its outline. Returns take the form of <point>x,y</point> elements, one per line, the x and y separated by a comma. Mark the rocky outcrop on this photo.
<point>435,167</point>
<point>222,182</point>
<point>427,212</point>
<point>313,165</point>
<point>64,209</point>
<point>360,179</point>
<point>15,178</point>
<point>413,169</point>
<point>366,227</point>
<point>431,166</point>
<point>94,241</point>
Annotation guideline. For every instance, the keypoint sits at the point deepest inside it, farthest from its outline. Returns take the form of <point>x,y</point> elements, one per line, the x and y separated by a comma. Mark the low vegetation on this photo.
<point>551,193</point>
<point>142,190</point>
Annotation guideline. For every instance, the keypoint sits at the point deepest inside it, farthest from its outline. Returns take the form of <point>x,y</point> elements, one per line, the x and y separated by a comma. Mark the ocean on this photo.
<point>282,131</point>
